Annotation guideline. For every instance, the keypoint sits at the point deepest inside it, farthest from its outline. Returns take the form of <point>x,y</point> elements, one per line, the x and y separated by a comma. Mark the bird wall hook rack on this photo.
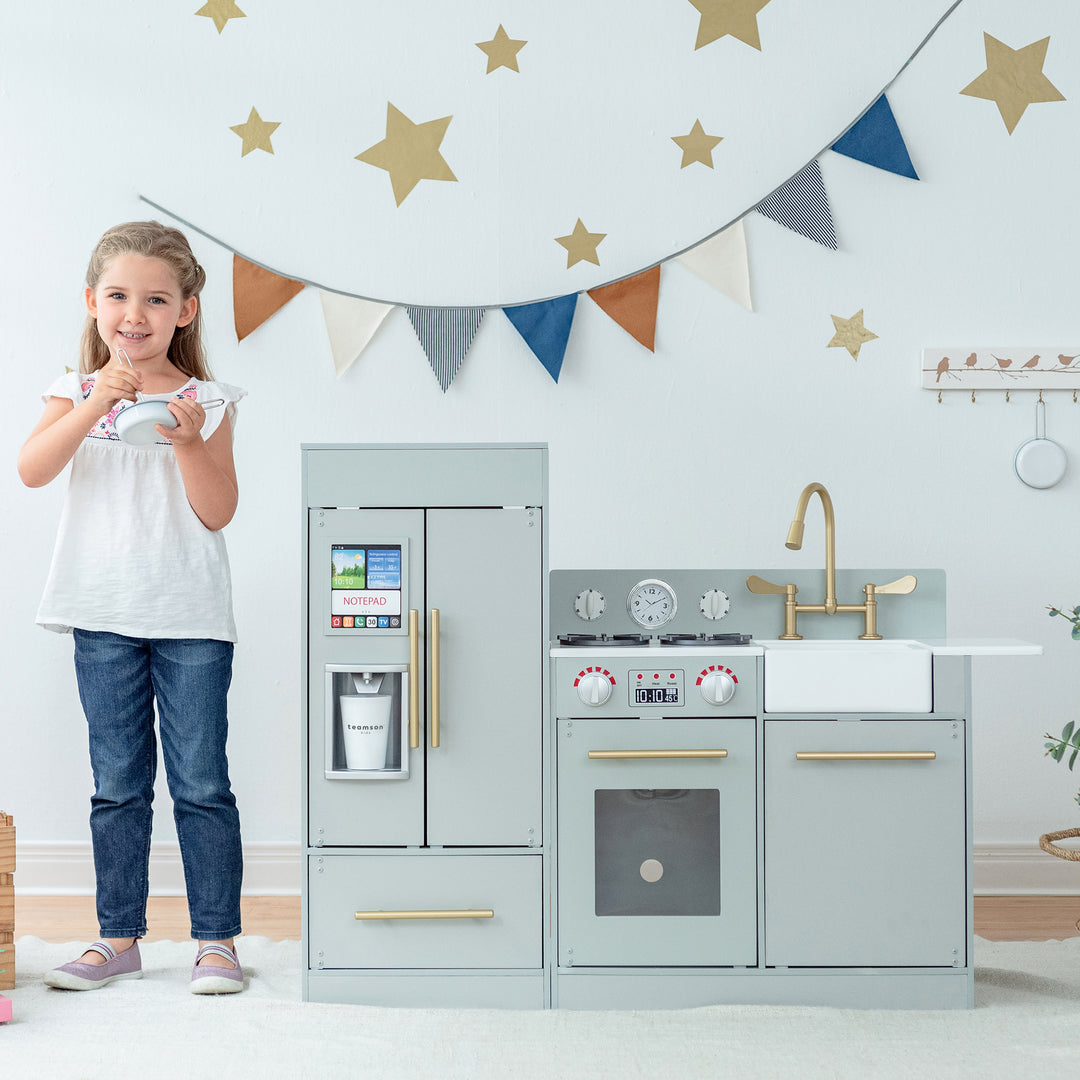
<point>1001,368</point>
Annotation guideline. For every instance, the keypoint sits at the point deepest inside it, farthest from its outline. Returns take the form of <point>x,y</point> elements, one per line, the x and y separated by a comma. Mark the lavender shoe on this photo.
<point>217,980</point>
<point>76,976</point>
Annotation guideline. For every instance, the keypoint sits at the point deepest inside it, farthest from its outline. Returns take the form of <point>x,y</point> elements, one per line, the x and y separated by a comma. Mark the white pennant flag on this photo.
<point>722,262</point>
<point>350,323</point>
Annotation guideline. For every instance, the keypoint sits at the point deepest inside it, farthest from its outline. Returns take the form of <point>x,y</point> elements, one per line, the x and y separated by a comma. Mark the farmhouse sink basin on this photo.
<point>846,676</point>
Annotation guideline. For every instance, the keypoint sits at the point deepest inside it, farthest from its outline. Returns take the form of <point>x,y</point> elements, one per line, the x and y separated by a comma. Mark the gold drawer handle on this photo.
<point>466,913</point>
<point>609,755</point>
<point>865,755</point>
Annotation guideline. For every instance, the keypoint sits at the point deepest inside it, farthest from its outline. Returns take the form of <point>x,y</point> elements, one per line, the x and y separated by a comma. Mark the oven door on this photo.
<point>657,843</point>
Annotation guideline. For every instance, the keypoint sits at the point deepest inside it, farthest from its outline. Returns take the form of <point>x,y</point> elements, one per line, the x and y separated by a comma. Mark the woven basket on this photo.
<point>1046,842</point>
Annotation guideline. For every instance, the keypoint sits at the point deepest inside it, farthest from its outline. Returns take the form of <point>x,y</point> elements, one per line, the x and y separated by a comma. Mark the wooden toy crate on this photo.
<point>7,901</point>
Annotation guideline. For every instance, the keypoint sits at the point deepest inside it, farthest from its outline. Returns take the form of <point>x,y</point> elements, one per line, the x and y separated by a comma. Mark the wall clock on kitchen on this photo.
<point>651,603</point>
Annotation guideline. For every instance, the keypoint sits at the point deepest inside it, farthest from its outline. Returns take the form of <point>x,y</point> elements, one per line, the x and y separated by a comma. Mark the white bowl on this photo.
<point>135,424</point>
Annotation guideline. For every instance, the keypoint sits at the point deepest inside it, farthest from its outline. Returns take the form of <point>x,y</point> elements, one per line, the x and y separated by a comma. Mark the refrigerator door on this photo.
<point>485,580</point>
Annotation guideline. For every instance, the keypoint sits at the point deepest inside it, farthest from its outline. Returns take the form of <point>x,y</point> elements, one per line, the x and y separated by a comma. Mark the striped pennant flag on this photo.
<point>545,326</point>
<point>876,140</point>
<point>803,206</point>
<point>445,335</point>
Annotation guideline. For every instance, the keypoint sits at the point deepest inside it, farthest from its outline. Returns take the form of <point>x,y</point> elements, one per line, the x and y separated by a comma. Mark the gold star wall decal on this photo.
<point>501,51</point>
<point>410,152</point>
<point>1013,79</point>
<point>221,11</point>
<point>697,145</point>
<point>255,132</point>
<point>581,245</point>
<point>722,17</point>
<point>850,334</point>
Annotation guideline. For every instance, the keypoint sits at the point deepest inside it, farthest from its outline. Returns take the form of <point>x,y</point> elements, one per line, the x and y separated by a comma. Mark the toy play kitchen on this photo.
<point>755,784</point>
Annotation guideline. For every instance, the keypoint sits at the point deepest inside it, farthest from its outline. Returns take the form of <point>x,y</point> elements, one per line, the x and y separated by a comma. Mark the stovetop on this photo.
<point>632,641</point>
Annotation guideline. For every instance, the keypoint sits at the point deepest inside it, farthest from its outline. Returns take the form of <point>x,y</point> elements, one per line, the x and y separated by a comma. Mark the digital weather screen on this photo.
<point>365,586</point>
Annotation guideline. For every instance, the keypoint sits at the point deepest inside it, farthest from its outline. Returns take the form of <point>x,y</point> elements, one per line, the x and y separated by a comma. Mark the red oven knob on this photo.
<point>717,687</point>
<point>594,687</point>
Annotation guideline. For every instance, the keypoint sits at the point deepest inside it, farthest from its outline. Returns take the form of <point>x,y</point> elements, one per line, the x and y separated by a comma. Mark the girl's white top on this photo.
<point>131,555</point>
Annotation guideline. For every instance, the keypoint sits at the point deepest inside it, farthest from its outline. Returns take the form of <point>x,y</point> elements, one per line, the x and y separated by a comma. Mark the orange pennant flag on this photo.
<point>257,294</point>
<point>632,304</point>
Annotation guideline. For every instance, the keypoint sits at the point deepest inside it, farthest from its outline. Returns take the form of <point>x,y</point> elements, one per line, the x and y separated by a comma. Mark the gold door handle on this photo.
<point>610,755</point>
<point>759,585</point>
<point>902,585</point>
<point>435,677</point>
<point>414,680</point>
<point>865,755</point>
<point>464,913</point>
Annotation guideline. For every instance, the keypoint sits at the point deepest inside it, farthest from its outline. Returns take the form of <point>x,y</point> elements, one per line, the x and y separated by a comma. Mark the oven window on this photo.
<point>657,851</point>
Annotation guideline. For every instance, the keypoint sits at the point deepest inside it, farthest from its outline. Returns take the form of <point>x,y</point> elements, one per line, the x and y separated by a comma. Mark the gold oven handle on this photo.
<point>466,913</point>
<point>414,680</point>
<point>435,677</point>
<point>865,755</point>
<point>611,755</point>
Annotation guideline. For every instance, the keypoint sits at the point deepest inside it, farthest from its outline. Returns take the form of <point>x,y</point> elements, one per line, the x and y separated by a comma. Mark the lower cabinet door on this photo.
<point>865,855</point>
<point>431,911</point>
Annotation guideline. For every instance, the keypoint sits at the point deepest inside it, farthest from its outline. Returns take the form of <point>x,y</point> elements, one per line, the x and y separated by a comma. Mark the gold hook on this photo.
<point>939,396</point>
<point>972,397</point>
<point>1074,397</point>
<point>1006,392</point>
<point>1040,398</point>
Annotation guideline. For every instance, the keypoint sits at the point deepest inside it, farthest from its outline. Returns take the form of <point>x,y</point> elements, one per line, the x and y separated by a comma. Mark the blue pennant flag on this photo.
<point>875,139</point>
<point>545,326</point>
<point>802,205</point>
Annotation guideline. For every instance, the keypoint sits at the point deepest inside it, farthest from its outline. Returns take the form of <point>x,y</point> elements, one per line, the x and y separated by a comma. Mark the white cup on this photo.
<point>365,725</point>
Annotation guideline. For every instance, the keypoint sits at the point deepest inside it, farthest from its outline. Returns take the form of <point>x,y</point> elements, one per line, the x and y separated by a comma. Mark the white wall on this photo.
<point>729,418</point>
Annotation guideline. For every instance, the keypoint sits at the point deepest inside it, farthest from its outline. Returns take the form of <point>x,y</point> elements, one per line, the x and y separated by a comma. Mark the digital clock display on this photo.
<point>656,695</point>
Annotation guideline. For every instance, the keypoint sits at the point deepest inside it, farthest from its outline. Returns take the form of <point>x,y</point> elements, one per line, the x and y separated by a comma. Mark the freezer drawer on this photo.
<point>438,911</point>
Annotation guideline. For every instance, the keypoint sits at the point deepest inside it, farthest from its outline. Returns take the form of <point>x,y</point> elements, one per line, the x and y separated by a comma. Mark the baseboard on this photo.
<point>67,869</point>
<point>273,869</point>
<point>1023,870</point>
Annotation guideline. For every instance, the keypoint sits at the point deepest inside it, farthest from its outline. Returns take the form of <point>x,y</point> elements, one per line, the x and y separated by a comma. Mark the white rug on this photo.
<point>1027,995</point>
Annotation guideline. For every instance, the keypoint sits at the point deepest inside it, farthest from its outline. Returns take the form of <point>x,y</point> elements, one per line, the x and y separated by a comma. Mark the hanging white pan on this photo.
<point>1040,462</point>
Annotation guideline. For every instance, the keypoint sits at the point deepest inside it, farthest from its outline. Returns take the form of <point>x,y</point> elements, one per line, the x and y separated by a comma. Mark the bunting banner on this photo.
<point>258,294</point>
<point>351,324</point>
<point>722,262</point>
<point>445,335</point>
<point>875,139</point>
<point>545,326</point>
<point>632,304</point>
<point>802,205</point>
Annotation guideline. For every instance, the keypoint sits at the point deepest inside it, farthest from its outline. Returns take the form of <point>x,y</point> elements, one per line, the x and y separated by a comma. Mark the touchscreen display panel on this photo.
<point>365,586</point>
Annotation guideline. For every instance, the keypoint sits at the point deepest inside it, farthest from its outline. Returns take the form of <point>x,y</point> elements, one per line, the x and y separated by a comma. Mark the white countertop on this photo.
<point>982,647</point>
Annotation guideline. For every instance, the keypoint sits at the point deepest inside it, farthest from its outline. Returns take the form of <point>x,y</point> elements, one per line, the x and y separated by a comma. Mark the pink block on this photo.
<point>5,1009</point>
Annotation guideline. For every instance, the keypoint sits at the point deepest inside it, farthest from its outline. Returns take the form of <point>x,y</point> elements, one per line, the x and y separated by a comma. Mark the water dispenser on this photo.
<point>366,721</point>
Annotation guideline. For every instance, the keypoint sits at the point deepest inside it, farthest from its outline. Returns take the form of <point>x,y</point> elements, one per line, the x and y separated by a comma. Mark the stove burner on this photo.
<point>705,639</point>
<point>579,641</point>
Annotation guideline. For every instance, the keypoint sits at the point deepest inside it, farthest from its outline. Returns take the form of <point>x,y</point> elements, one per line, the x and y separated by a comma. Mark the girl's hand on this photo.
<point>113,383</point>
<point>190,417</point>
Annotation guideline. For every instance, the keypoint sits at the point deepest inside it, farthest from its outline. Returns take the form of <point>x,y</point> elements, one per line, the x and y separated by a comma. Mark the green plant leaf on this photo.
<point>1072,760</point>
<point>1067,731</point>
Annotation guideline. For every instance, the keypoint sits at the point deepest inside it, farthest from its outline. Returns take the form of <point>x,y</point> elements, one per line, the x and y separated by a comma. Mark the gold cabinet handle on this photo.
<point>465,913</point>
<point>435,731</point>
<point>865,755</point>
<point>610,755</point>
<point>414,680</point>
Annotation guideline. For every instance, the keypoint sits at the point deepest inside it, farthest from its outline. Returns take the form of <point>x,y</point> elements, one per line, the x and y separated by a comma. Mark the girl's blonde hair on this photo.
<point>155,241</point>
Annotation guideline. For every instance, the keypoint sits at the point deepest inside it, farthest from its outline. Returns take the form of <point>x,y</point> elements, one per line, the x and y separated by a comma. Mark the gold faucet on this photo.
<point>792,608</point>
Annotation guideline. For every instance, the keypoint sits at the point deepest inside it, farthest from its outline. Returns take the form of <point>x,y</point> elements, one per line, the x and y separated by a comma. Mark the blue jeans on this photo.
<point>119,679</point>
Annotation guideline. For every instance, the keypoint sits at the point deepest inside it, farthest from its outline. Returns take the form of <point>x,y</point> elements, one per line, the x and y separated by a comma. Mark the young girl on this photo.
<point>140,576</point>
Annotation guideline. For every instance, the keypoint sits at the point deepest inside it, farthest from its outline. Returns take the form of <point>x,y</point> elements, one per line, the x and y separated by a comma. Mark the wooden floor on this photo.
<point>71,918</point>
